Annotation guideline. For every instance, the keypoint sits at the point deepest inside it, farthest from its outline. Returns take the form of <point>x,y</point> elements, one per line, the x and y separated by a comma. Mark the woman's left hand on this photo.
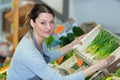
<point>77,40</point>
<point>70,46</point>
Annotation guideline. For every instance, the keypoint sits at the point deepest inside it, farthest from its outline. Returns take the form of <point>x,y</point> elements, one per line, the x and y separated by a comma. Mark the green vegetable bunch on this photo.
<point>66,39</point>
<point>77,31</point>
<point>103,45</point>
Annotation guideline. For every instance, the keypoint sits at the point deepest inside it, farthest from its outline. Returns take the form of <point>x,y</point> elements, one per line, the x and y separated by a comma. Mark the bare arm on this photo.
<point>101,64</point>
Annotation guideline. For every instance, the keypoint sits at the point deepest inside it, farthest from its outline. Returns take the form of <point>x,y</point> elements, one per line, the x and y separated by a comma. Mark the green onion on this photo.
<point>103,45</point>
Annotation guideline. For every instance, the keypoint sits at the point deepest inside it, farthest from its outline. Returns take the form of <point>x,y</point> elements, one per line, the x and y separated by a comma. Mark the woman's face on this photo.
<point>43,25</point>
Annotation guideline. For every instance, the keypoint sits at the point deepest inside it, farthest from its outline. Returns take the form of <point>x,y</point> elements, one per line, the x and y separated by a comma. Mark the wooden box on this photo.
<point>87,40</point>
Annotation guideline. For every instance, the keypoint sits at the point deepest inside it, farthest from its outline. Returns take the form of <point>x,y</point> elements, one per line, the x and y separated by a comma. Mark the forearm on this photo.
<point>66,48</point>
<point>98,65</point>
<point>90,70</point>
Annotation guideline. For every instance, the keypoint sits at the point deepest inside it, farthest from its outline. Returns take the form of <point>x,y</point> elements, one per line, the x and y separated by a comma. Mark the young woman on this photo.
<point>31,58</point>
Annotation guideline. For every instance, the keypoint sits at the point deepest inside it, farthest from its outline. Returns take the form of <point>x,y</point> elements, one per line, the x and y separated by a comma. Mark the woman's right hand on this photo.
<point>104,62</point>
<point>101,64</point>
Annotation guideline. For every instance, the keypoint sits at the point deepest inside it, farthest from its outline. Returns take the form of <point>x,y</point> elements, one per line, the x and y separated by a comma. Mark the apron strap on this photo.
<point>46,58</point>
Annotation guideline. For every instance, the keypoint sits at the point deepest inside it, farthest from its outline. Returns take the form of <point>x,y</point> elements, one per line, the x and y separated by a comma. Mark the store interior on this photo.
<point>73,19</point>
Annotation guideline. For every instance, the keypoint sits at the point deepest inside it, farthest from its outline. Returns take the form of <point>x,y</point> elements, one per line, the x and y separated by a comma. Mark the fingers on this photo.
<point>101,64</point>
<point>107,61</point>
<point>81,37</point>
<point>110,59</point>
<point>78,40</point>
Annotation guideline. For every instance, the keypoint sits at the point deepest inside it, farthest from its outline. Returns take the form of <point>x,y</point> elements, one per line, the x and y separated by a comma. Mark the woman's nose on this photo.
<point>48,26</point>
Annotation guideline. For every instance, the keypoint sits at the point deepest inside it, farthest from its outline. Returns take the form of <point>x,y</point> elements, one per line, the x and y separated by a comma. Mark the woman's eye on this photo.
<point>52,22</point>
<point>42,22</point>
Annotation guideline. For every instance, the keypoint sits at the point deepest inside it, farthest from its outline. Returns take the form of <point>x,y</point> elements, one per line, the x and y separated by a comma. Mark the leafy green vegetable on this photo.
<point>117,73</point>
<point>77,31</point>
<point>70,37</point>
<point>66,39</point>
<point>2,75</point>
<point>63,40</point>
<point>49,40</point>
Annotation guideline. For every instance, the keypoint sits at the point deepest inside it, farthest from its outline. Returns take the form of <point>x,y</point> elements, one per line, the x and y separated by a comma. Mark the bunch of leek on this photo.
<point>103,45</point>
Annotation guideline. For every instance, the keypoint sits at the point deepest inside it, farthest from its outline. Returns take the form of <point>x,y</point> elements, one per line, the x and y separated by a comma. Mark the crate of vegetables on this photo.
<point>99,43</point>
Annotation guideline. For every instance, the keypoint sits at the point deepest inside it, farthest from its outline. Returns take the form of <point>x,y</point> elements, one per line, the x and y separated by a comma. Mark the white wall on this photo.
<point>55,4</point>
<point>106,12</point>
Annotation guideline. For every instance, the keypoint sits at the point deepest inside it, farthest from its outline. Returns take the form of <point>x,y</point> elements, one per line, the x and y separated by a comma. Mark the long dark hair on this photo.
<point>37,9</point>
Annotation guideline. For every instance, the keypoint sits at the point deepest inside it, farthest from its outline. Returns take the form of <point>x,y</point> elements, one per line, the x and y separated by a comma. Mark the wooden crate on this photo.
<point>81,49</point>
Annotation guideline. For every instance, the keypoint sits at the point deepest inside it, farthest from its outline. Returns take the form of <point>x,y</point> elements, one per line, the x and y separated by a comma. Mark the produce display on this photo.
<point>100,43</point>
<point>64,40</point>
